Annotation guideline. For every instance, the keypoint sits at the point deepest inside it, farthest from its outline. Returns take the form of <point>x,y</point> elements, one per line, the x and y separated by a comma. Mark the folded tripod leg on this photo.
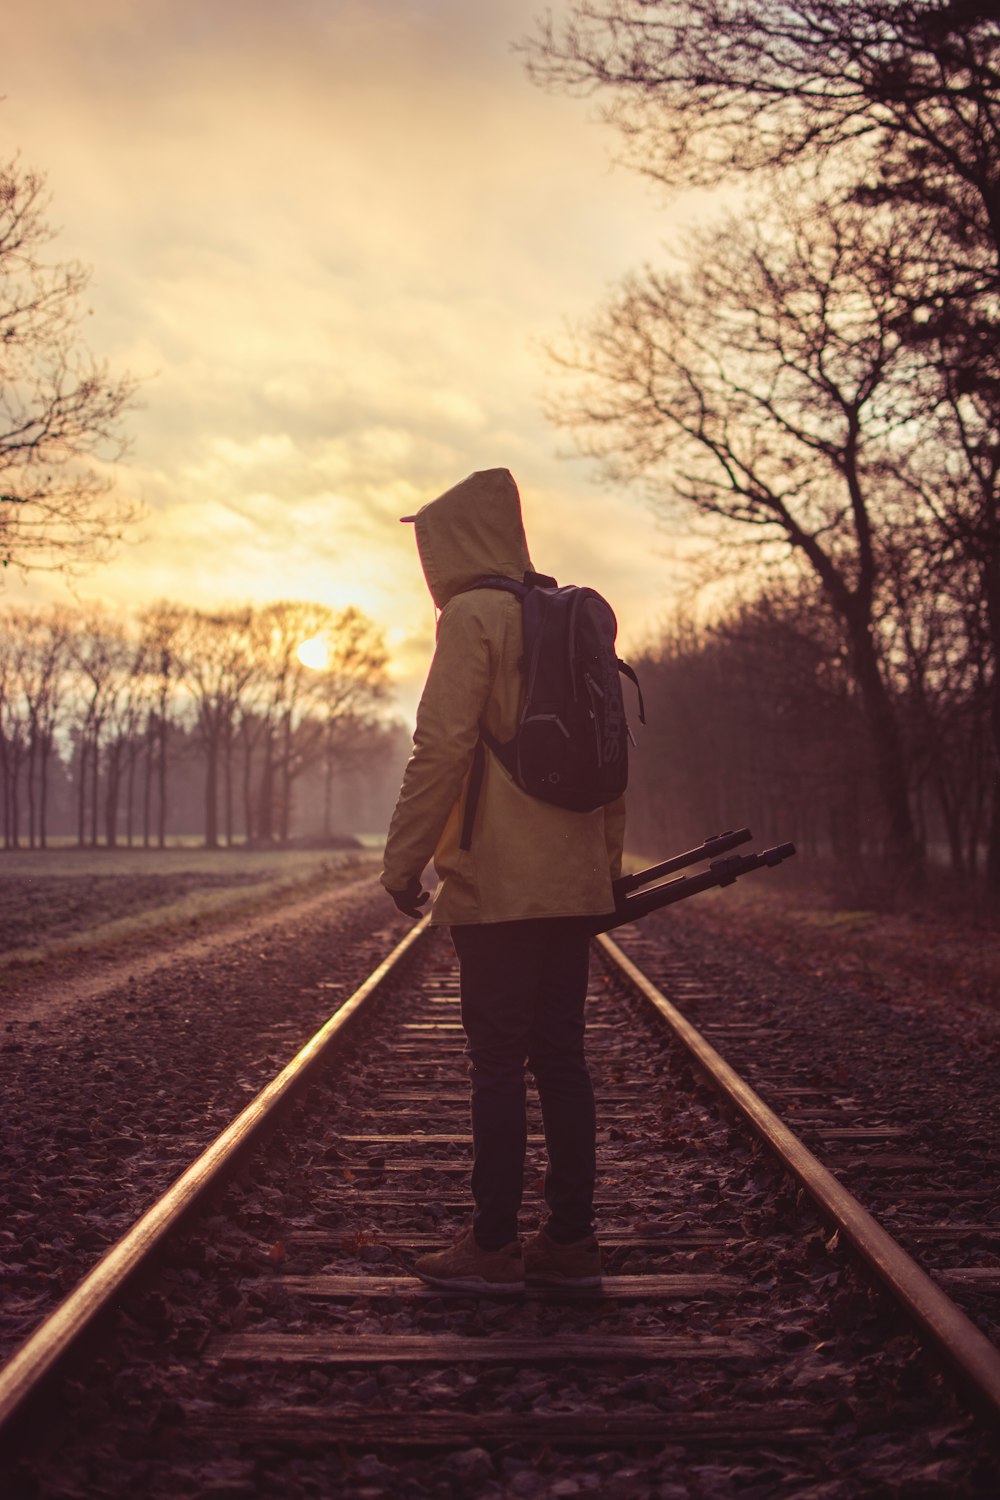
<point>720,872</point>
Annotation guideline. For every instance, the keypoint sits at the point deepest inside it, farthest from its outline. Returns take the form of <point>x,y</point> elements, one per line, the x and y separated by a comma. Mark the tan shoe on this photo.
<point>465,1267</point>
<point>547,1263</point>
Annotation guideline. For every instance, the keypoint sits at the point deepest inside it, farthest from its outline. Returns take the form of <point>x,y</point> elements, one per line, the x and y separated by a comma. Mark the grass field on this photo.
<point>69,901</point>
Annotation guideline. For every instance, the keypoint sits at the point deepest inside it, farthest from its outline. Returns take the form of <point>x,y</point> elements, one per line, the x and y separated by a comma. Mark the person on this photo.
<point>516,900</point>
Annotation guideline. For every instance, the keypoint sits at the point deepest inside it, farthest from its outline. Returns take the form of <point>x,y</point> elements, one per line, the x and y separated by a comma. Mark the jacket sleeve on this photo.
<point>614,835</point>
<point>455,695</point>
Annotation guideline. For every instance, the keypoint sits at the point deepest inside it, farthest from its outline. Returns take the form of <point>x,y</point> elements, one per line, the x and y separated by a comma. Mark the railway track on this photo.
<point>934,1183</point>
<point>258,1332</point>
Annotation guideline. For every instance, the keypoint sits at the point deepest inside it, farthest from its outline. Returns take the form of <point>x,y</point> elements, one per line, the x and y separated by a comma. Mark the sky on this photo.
<point>331,238</point>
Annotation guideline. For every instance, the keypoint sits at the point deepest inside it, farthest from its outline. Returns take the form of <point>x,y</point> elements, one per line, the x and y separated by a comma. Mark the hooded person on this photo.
<point>513,891</point>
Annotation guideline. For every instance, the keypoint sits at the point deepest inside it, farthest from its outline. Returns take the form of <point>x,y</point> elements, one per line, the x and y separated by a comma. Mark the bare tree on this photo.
<point>280,629</point>
<point>937,658</point>
<point>127,708</point>
<point>705,88</point>
<point>754,718</point>
<point>348,695</point>
<point>898,107</point>
<point>217,662</point>
<point>312,712</point>
<point>13,734</point>
<point>97,696</point>
<point>160,626</point>
<point>41,669</point>
<point>952,476</point>
<point>770,388</point>
<point>102,655</point>
<point>900,101</point>
<point>60,409</point>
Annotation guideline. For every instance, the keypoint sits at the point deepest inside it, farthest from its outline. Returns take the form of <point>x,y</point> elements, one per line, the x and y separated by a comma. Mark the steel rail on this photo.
<point>955,1335</point>
<point>37,1359</point>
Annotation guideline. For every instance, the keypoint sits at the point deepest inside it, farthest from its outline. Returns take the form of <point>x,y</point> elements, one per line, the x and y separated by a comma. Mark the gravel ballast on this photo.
<point>107,1103</point>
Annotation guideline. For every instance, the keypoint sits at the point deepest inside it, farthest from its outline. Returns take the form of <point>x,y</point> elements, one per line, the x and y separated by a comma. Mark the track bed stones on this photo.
<point>735,1348</point>
<point>899,1103</point>
<point>282,1346</point>
<point>104,1108</point>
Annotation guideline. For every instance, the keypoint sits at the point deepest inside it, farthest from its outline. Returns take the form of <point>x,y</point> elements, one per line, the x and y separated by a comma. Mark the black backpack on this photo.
<point>571,743</point>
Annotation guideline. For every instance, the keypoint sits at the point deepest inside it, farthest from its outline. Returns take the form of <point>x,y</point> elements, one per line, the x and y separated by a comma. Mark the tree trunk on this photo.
<point>227,783</point>
<point>43,790</point>
<point>211,793</point>
<point>887,749</point>
<point>95,785</point>
<point>993,841</point>
<point>32,804</point>
<point>112,785</point>
<point>15,797</point>
<point>161,832</point>
<point>248,811</point>
<point>990,575</point>
<point>130,792</point>
<point>147,785</point>
<point>286,781</point>
<point>81,790</point>
<point>265,802</point>
<point>977,810</point>
<point>328,790</point>
<point>952,820</point>
<point>5,789</point>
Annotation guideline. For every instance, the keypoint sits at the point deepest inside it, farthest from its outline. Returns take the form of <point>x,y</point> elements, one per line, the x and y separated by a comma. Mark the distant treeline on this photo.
<point>758,719</point>
<point>184,721</point>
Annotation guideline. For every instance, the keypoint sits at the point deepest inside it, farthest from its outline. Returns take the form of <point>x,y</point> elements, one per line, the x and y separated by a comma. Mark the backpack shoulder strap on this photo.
<point>521,590</point>
<point>520,586</point>
<point>498,581</point>
<point>629,672</point>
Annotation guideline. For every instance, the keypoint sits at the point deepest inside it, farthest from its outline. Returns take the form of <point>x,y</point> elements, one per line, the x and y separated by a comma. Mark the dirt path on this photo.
<point>56,989</point>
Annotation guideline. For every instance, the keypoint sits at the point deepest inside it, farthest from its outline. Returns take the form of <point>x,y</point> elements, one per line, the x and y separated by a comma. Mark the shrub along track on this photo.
<point>282,1348</point>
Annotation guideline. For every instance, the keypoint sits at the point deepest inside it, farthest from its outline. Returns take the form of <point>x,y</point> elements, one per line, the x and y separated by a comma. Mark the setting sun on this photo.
<point>314,653</point>
<point>309,374</point>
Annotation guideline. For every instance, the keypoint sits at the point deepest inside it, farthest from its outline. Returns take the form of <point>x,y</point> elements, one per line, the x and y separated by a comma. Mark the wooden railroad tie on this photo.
<point>334,1349</point>
<point>786,1425</point>
<point>614,1288</point>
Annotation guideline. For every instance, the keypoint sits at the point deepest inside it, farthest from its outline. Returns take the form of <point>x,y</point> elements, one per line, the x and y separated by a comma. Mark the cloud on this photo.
<point>332,239</point>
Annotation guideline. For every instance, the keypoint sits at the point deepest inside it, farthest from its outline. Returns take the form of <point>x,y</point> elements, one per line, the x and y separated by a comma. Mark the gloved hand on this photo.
<point>411,899</point>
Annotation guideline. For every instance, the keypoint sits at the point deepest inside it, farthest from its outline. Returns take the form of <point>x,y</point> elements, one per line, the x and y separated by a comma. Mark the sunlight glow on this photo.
<point>285,434</point>
<point>313,653</point>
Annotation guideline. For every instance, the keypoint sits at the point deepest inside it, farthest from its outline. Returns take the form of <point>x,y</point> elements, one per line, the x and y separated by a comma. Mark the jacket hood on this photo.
<point>472,530</point>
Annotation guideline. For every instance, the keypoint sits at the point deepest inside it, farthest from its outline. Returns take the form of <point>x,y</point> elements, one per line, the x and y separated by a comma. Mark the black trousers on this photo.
<point>523,987</point>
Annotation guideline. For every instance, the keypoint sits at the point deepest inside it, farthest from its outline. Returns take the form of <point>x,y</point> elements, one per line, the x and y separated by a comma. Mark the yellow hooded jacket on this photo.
<point>527,857</point>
